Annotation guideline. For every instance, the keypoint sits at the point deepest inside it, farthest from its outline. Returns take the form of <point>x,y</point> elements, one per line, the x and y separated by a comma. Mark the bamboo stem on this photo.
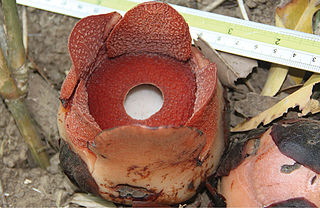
<point>13,83</point>
<point>8,88</point>
<point>27,129</point>
<point>16,56</point>
<point>19,111</point>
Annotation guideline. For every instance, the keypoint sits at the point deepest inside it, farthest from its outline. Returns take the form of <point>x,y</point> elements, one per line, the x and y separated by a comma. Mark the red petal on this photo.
<point>209,103</point>
<point>69,84</point>
<point>206,79</point>
<point>80,125</point>
<point>87,38</point>
<point>151,27</point>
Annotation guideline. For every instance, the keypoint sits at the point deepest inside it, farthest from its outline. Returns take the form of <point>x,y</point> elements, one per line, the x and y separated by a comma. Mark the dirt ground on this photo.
<point>22,184</point>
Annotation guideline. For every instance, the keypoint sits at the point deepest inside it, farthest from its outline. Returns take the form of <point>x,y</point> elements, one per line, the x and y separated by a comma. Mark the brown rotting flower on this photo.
<point>280,169</point>
<point>165,157</point>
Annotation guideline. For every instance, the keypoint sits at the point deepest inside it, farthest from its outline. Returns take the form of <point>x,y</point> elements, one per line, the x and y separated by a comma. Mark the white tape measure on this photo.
<point>232,35</point>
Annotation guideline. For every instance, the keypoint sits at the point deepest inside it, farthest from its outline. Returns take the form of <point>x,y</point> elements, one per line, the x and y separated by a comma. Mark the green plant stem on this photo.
<point>8,88</point>
<point>27,129</point>
<point>13,83</point>
<point>19,111</point>
<point>16,56</point>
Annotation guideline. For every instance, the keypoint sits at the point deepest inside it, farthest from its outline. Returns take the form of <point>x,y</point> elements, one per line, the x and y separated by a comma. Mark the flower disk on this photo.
<point>108,86</point>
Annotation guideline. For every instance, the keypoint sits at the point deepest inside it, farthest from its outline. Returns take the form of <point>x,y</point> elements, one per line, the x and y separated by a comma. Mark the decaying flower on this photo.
<point>165,157</point>
<point>280,169</point>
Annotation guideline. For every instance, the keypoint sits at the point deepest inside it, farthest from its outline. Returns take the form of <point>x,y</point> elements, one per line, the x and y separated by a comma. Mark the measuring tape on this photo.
<point>232,35</point>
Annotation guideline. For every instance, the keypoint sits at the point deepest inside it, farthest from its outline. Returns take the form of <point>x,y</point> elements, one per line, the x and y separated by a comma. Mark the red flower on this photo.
<point>280,169</point>
<point>165,157</point>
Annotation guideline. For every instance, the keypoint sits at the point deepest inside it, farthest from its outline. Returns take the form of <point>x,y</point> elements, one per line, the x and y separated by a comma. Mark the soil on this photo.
<point>21,183</point>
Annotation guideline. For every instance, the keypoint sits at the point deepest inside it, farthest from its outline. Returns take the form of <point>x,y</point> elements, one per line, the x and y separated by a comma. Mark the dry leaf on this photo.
<point>295,15</point>
<point>299,98</point>
<point>276,77</point>
<point>230,67</point>
<point>90,201</point>
<point>254,104</point>
<point>313,106</point>
<point>314,77</point>
<point>298,14</point>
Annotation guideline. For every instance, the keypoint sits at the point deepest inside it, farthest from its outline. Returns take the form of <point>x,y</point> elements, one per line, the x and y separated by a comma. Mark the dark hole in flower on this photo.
<point>127,191</point>
<point>289,168</point>
<point>313,180</point>
<point>191,186</point>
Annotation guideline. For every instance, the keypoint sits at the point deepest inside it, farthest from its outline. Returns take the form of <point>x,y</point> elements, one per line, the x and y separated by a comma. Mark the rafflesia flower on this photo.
<point>163,158</point>
<point>280,169</point>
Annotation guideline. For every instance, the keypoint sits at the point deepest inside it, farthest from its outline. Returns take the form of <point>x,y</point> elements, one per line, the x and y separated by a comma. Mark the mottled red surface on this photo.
<point>109,85</point>
<point>69,85</point>
<point>208,103</point>
<point>80,125</point>
<point>151,27</point>
<point>87,38</point>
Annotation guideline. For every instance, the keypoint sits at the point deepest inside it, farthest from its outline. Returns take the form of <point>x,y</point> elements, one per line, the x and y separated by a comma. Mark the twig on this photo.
<point>243,10</point>
<point>25,29</point>
<point>14,88</point>
<point>39,70</point>
<point>2,147</point>
<point>25,43</point>
<point>3,199</point>
<point>213,5</point>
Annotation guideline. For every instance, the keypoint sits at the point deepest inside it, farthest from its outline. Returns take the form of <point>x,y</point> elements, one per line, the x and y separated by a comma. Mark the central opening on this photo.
<point>143,101</point>
<point>113,104</point>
